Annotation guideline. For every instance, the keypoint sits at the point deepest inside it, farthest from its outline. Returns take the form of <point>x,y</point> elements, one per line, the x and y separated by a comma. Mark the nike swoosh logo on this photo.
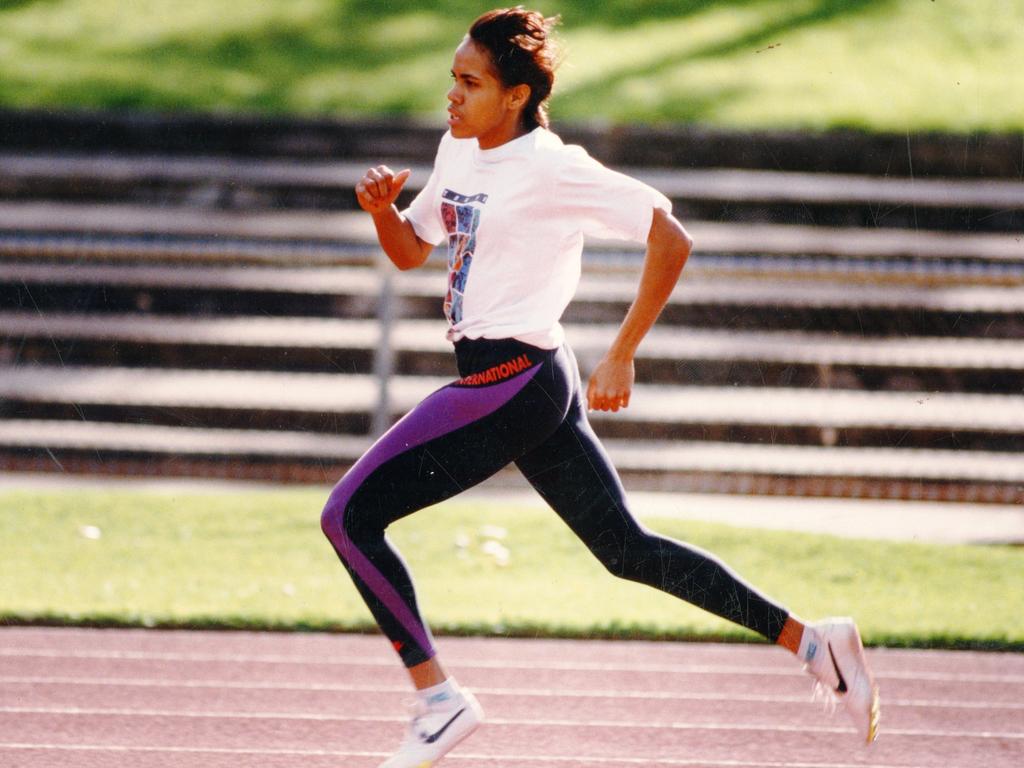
<point>435,736</point>
<point>842,680</point>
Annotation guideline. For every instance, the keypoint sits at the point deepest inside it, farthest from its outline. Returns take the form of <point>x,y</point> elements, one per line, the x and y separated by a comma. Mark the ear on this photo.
<point>518,95</point>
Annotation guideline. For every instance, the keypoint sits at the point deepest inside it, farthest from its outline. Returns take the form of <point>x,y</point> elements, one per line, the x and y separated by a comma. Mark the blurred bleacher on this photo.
<point>192,296</point>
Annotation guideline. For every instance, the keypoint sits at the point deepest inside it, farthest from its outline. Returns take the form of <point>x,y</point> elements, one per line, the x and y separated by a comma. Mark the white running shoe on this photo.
<point>435,729</point>
<point>835,657</point>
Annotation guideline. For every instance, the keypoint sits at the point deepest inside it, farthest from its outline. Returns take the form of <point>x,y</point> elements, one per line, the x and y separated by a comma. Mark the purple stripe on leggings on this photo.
<point>441,413</point>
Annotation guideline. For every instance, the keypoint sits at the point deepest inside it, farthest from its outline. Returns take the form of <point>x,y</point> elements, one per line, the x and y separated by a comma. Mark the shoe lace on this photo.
<point>824,696</point>
<point>824,692</point>
<point>417,711</point>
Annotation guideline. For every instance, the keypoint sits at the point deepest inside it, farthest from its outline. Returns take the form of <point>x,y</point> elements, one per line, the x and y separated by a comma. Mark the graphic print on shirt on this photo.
<point>461,220</point>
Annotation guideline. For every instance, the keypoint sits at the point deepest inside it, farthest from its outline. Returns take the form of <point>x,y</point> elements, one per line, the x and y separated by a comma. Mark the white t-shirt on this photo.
<point>514,218</point>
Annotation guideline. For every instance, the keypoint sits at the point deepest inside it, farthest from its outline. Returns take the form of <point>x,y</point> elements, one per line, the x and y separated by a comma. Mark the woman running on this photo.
<point>512,203</point>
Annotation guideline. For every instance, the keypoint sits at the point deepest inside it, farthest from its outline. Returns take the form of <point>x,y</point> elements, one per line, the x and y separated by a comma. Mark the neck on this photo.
<point>503,135</point>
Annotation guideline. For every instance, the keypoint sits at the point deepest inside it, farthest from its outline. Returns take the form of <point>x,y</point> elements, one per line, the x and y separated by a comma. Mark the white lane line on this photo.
<point>350,660</point>
<point>553,693</point>
<point>558,666</point>
<point>465,756</point>
<point>371,640</point>
<point>545,723</point>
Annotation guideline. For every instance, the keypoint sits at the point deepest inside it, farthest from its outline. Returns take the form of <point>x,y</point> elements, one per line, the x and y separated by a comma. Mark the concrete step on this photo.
<point>68,248</point>
<point>719,193</point>
<point>707,302</point>
<point>345,403</point>
<point>356,228</point>
<point>146,450</point>
<point>163,250</point>
<point>918,155</point>
<point>726,184</point>
<point>667,355</point>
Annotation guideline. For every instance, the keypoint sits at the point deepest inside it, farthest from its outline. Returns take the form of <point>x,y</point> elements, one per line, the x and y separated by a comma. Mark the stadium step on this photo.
<point>345,403</point>
<point>132,132</point>
<point>825,305</point>
<point>692,356</point>
<point>721,194</point>
<point>100,448</point>
<point>336,227</point>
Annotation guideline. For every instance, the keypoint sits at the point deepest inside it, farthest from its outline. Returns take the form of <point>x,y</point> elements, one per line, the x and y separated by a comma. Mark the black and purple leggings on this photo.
<point>514,403</point>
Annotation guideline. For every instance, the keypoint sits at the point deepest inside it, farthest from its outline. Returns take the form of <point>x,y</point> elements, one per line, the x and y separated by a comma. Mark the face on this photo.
<point>479,106</point>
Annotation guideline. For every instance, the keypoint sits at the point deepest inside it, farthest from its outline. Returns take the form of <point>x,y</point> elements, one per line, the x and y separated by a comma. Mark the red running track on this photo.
<point>150,699</point>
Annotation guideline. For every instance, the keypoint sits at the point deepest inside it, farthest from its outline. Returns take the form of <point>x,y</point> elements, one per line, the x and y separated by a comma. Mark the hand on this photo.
<point>379,188</point>
<point>610,385</point>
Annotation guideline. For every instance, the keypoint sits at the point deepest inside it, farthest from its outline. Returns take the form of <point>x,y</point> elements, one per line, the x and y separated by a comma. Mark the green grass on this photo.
<point>955,65</point>
<point>258,559</point>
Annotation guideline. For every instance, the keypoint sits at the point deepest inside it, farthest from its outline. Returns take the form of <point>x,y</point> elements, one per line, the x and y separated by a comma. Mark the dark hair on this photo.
<point>522,52</point>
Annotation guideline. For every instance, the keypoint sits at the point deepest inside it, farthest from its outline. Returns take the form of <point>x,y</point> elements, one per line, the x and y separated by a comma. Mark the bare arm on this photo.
<point>376,193</point>
<point>668,247</point>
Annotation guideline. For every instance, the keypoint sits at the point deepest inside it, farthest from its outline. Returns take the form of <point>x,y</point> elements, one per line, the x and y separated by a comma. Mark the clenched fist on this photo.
<point>610,385</point>
<point>379,188</point>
